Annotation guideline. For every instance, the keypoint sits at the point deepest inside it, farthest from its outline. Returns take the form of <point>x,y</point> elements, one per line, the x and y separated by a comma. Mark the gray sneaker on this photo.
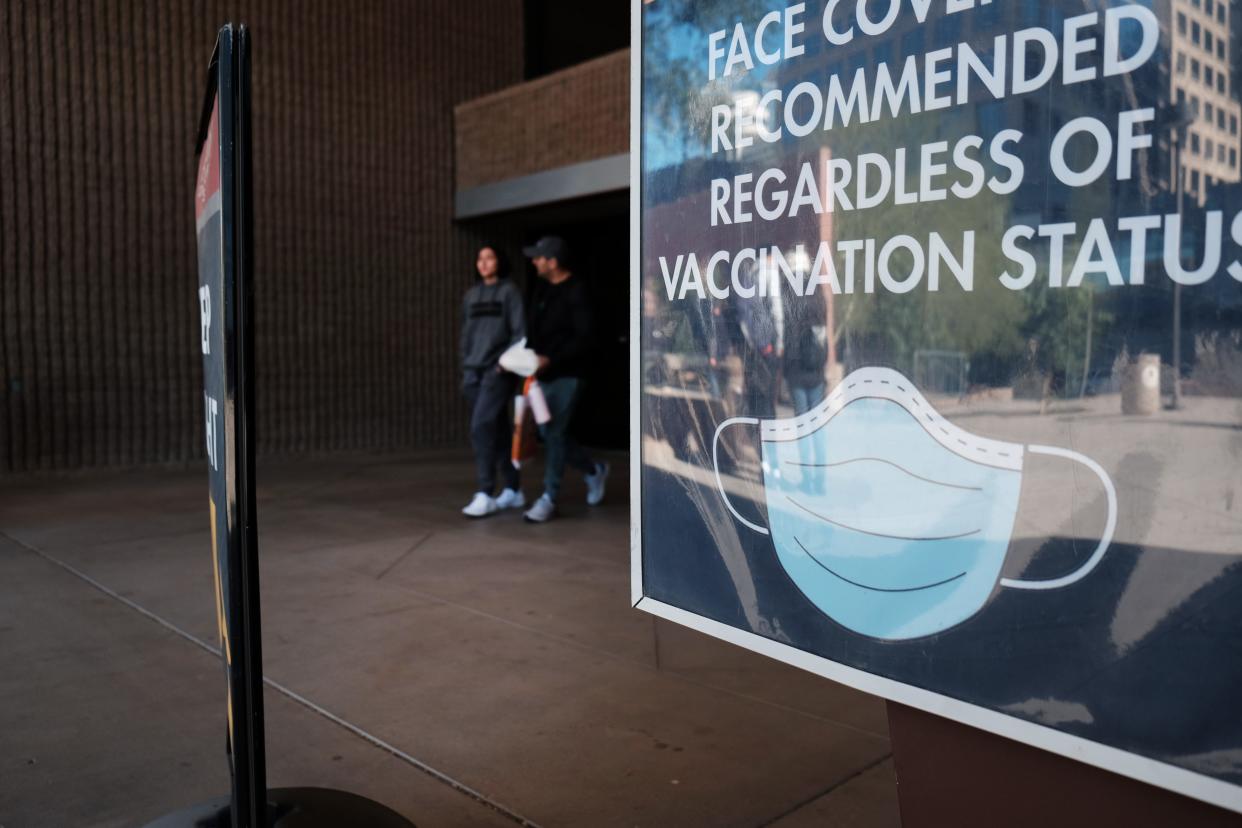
<point>595,483</point>
<point>543,510</point>
<point>481,505</point>
<point>510,499</point>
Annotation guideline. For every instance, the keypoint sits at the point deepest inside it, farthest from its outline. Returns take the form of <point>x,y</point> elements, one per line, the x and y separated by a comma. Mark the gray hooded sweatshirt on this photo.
<point>492,320</point>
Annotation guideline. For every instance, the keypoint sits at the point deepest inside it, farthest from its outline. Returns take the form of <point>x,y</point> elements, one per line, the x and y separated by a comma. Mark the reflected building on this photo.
<point>1194,66</point>
<point>1202,77</point>
<point>1076,342</point>
<point>1038,114</point>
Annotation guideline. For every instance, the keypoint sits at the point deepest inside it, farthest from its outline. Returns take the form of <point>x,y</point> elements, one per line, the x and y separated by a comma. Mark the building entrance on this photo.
<point>597,232</point>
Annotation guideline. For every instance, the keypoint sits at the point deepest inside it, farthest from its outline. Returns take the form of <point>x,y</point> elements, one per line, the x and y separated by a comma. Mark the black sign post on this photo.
<point>224,221</point>
<point>223,218</point>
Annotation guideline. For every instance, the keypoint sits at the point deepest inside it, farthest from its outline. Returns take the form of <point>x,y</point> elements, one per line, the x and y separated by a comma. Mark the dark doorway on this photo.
<point>597,232</point>
<point>563,33</point>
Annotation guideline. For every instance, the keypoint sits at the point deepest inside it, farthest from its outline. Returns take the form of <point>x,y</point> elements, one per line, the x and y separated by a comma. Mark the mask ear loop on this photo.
<point>1109,526</point>
<point>716,468</point>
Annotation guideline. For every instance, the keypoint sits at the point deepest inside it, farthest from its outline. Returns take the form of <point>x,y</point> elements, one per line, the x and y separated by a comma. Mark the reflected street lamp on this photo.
<point>1175,117</point>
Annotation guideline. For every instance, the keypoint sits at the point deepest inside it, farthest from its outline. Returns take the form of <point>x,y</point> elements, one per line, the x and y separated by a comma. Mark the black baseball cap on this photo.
<point>550,247</point>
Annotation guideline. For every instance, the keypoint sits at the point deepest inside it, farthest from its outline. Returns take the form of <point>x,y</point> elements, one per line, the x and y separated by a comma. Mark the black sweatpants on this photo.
<point>491,428</point>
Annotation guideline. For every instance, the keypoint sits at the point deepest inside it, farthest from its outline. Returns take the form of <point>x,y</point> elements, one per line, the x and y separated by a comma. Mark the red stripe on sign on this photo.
<point>209,164</point>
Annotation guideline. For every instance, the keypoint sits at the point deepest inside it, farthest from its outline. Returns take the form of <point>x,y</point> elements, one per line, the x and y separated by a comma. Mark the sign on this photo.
<point>937,368</point>
<point>223,218</point>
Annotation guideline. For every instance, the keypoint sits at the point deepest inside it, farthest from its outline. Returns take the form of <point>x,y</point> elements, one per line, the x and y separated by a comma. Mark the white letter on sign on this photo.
<point>212,413</point>
<point>204,316</point>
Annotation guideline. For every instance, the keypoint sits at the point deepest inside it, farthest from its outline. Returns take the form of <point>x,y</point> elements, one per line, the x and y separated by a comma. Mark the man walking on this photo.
<point>559,332</point>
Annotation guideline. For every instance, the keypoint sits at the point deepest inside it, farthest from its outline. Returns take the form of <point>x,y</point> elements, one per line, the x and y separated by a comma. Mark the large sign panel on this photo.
<point>938,358</point>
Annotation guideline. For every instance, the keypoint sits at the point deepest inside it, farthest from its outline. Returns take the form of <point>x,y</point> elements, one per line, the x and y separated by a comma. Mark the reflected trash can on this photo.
<point>1140,386</point>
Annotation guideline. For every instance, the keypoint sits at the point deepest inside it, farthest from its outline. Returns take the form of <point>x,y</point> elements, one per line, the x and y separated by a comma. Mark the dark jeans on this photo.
<point>810,452</point>
<point>806,397</point>
<point>562,396</point>
<point>491,427</point>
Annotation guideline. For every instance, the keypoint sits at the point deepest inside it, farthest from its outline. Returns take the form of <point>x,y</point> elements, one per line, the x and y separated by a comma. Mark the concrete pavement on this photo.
<point>503,656</point>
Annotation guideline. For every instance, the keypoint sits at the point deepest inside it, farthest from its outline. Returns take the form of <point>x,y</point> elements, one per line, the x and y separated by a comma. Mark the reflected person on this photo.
<point>804,366</point>
<point>761,321</point>
<point>806,352</point>
<point>492,320</point>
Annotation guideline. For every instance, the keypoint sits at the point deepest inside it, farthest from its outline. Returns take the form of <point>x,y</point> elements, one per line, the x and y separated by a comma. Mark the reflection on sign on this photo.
<point>941,358</point>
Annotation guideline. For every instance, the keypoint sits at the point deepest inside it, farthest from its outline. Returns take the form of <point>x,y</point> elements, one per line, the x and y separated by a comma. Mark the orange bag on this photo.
<point>525,432</point>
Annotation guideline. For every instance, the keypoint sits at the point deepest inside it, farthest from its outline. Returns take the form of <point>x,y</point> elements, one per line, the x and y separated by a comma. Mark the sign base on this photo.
<point>292,808</point>
<point>952,774</point>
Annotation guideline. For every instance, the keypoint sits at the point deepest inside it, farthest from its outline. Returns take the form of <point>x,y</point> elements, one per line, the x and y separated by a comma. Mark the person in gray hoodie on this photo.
<point>492,320</point>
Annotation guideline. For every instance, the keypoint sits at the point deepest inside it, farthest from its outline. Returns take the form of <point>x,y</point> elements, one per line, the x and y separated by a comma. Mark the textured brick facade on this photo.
<point>575,115</point>
<point>359,268</point>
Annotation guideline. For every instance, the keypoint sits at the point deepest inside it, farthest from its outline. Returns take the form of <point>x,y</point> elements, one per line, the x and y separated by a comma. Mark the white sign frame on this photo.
<point>1161,774</point>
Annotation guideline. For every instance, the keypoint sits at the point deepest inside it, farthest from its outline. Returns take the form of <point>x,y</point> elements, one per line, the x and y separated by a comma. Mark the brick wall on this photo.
<point>576,115</point>
<point>359,269</point>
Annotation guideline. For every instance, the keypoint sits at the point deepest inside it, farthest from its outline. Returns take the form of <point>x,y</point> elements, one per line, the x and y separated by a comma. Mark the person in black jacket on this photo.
<point>492,320</point>
<point>805,360</point>
<point>559,332</point>
<point>804,365</point>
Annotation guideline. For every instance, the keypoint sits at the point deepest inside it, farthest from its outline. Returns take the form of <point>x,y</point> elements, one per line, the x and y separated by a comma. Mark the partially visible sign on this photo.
<point>938,358</point>
<point>222,215</point>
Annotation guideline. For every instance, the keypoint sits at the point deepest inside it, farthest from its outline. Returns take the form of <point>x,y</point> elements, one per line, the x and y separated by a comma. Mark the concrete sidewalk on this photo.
<point>503,656</point>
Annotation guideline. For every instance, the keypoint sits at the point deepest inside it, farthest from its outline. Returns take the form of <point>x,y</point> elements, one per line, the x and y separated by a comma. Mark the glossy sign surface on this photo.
<point>939,358</point>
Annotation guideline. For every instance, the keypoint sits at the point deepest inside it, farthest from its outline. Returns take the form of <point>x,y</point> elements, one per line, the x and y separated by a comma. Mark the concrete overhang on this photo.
<point>601,175</point>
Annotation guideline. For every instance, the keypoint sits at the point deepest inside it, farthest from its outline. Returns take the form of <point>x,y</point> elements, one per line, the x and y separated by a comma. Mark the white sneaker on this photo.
<point>542,511</point>
<point>595,483</point>
<point>481,506</point>
<point>510,499</point>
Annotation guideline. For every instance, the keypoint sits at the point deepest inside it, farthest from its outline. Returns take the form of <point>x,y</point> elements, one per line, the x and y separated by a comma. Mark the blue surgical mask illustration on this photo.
<point>892,520</point>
